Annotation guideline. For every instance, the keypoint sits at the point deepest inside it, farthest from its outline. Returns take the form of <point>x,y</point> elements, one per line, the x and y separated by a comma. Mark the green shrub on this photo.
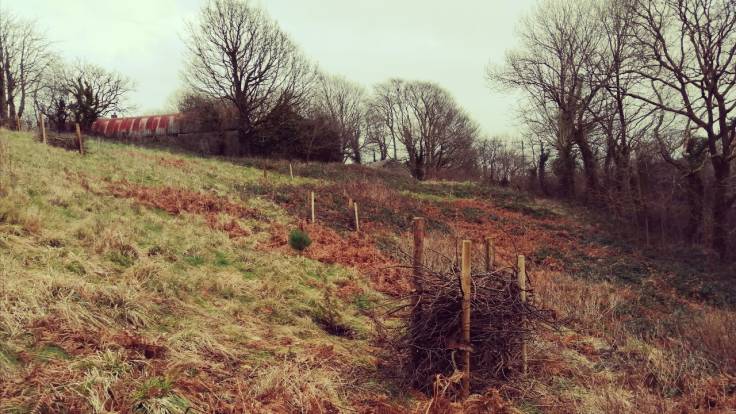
<point>299,240</point>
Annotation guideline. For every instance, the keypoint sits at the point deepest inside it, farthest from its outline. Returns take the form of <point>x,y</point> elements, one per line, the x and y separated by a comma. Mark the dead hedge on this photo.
<point>428,343</point>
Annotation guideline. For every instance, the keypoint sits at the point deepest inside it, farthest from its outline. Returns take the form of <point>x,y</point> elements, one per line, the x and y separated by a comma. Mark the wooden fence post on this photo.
<point>418,225</point>
<point>357,219</point>
<point>17,122</point>
<point>43,130</point>
<point>311,203</point>
<point>80,142</point>
<point>466,286</point>
<point>521,264</point>
<point>416,281</point>
<point>490,254</point>
<point>291,172</point>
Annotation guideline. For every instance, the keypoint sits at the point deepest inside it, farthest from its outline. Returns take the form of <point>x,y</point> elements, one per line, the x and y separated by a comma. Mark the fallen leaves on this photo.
<point>353,250</point>
<point>177,201</point>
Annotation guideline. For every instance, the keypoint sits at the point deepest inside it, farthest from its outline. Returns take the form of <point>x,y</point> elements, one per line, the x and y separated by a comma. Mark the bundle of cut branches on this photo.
<point>430,341</point>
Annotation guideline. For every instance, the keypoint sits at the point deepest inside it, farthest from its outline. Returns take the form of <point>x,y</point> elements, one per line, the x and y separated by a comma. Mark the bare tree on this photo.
<point>488,158</point>
<point>344,101</point>
<point>238,53</point>
<point>688,52</point>
<point>94,92</point>
<point>32,59</point>
<point>558,65</point>
<point>6,23</point>
<point>540,157</point>
<point>687,153</point>
<point>50,97</point>
<point>382,111</point>
<point>433,130</point>
<point>377,136</point>
<point>24,56</point>
<point>622,120</point>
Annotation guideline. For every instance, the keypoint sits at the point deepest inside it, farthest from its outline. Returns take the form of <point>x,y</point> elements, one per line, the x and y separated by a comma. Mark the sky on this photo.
<point>368,41</point>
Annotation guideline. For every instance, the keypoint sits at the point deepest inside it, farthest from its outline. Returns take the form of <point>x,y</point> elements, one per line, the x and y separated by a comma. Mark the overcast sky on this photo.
<point>369,41</point>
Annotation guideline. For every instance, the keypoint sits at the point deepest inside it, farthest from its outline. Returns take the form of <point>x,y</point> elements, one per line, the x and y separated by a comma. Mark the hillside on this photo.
<point>140,280</point>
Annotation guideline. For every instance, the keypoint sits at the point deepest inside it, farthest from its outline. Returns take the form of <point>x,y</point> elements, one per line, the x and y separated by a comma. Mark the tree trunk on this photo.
<point>3,97</point>
<point>542,171</point>
<point>622,184</point>
<point>623,173</point>
<point>419,170</point>
<point>590,165</point>
<point>10,90</point>
<point>567,173</point>
<point>642,209</point>
<point>417,166</point>
<point>22,103</point>
<point>721,207</point>
<point>695,195</point>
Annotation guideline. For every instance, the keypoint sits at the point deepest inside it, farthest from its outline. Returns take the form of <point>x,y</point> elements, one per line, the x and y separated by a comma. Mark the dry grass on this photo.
<point>107,306</point>
<point>6,167</point>
<point>607,366</point>
<point>714,332</point>
<point>125,304</point>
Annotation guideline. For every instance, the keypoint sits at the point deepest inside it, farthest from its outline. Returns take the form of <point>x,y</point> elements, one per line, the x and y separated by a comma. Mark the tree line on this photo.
<point>35,81</point>
<point>637,98</point>
<point>243,72</point>
<point>239,57</point>
<point>630,106</point>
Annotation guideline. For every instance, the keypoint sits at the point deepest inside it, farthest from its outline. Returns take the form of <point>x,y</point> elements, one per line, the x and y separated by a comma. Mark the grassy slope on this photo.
<point>165,296</point>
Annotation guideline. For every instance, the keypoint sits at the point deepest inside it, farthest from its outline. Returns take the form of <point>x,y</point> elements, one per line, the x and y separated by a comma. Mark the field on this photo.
<point>141,280</point>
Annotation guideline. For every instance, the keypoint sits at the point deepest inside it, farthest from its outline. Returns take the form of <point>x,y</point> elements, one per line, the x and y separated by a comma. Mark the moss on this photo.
<point>51,351</point>
<point>75,266</point>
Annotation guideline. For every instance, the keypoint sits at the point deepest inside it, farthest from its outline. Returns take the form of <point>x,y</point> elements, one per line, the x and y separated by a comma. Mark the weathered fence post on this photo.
<point>418,225</point>
<point>43,130</point>
<point>357,219</point>
<point>291,172</point>
<point>80,141</point>
<point>416,302</point>
<point>311,204</point>
<point>521,264</point>
<point>465,284</point>
<point>490,254</point>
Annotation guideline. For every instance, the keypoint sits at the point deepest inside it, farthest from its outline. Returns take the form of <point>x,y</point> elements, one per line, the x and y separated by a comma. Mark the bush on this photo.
<point>299,240</point>
<point>288,134</point>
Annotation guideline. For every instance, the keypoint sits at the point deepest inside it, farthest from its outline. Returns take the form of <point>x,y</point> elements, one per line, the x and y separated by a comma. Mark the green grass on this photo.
<point>103,266</point>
